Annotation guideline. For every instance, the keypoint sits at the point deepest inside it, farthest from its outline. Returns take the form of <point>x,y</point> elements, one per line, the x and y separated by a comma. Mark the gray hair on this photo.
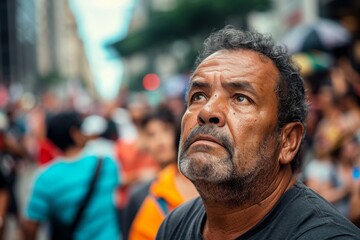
<point>290,88</point>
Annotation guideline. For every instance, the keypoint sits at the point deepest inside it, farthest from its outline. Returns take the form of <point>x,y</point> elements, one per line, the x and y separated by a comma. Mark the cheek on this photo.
<point>242,127</point>
<point>249,134</point>
<point>188,122</point>
<point>255,126</point>
<point>152,147</point>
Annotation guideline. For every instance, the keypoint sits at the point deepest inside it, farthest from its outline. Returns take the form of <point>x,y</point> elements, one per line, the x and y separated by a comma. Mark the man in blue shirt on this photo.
<point>61,186</point>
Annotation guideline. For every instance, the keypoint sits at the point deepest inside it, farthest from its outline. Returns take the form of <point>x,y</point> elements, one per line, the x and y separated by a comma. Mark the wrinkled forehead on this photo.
<point>223,54</point>
<point>236,63</point>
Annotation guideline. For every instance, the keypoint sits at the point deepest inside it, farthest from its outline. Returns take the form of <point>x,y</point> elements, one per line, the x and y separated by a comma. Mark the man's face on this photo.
<point>229,131</point>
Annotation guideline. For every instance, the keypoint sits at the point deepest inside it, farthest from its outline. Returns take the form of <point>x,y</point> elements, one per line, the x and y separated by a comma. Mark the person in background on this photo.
<point>111,131</point>
<point>160,149</point>
<point>137,165</point>
<point>4,200</point>
<point>170,188</point>
<point>12,154</point>
<point>40,149</point>
<point>4,192</point>
<point>329,172</point>
<point>93,128</point>
<point>354,206</point>
<point>60,186</point>
<point>354,211</point>
<point>50,104</point>
<point>47,151</point>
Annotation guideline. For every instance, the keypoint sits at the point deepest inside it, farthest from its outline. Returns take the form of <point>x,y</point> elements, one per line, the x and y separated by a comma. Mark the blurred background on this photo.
<point>120,59</point>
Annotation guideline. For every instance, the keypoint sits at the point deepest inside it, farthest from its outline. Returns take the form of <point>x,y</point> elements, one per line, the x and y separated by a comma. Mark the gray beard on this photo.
<point>238,189</point>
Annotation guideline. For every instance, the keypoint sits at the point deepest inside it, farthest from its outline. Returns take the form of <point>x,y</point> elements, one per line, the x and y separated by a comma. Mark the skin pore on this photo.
<point>231,148</point>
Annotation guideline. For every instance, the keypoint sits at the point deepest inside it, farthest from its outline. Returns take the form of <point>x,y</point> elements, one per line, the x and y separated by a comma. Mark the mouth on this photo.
<point>206,138</point>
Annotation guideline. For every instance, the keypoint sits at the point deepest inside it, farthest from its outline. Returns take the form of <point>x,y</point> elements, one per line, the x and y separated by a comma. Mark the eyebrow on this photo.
<point>197,84</point>
<point>240,85</point>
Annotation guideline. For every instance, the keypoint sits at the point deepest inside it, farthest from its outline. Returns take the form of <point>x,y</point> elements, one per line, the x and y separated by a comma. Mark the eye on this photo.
<point>240,98</point>
<point>196,97</point>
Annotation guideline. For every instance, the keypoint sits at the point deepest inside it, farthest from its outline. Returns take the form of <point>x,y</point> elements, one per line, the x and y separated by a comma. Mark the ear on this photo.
<point>291,137</point>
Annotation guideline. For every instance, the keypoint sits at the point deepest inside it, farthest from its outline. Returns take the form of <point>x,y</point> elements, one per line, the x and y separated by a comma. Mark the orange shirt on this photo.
<point>151,213</point>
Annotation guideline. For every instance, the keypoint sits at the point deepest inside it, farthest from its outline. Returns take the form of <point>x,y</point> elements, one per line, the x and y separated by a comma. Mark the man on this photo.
<point>241,134</point>
<point>61,186</point>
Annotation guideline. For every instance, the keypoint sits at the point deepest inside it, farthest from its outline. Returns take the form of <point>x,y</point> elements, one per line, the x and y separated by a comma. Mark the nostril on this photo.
<point>214,120</point>
<point>201,120</point>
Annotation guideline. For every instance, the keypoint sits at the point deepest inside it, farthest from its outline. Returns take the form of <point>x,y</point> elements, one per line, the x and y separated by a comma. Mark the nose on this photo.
<point>212,113</point>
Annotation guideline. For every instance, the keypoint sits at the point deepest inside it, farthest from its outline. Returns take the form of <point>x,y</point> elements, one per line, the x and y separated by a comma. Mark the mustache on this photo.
<point>212,131</point>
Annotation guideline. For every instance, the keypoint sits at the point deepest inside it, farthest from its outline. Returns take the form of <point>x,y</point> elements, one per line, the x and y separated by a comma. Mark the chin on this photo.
<point>212,173</point>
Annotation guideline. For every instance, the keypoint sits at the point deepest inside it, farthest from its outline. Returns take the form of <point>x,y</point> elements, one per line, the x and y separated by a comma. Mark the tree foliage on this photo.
<point>188,19</point>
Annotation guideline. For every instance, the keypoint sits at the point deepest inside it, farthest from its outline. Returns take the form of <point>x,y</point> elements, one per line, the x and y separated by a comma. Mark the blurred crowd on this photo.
<point>137,143</point>
<point>331,153</point>
<point>139,179</point>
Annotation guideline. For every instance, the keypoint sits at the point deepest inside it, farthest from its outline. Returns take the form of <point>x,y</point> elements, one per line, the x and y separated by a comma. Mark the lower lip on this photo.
<point>205,142</point>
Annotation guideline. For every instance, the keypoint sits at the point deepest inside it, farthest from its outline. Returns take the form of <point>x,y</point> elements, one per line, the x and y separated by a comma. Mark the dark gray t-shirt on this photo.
<point>299,214</point>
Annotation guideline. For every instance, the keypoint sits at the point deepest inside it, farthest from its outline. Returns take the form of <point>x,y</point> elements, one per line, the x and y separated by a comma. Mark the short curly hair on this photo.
<point>290,87</point>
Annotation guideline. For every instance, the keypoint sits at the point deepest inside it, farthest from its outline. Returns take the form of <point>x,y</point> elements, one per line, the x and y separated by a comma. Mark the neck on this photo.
<point>72,152</point>
<point>224,222</point>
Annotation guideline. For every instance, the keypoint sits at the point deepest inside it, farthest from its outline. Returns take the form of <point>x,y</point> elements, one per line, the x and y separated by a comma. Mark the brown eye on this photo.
<point>197,97</point>
<point>240,98</point>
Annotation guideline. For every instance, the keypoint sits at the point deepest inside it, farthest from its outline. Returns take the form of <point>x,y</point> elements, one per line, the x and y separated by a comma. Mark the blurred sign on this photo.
<point>284,16</point>
<point>297,11</point>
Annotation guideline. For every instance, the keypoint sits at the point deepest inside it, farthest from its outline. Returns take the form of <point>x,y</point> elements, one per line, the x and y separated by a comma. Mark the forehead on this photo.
<point>237,63</point>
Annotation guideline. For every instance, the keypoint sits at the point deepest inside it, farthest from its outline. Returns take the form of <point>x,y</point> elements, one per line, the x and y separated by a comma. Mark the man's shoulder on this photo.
<point>43,173</point>
<point>304,200</point>
<point>300,214</point>
<point>311,216</point>
<point>184,221</point>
